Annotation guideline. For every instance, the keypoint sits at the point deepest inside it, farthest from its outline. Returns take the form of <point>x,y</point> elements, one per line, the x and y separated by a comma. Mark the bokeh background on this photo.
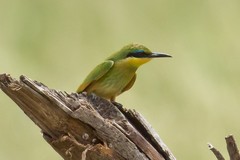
<point>190,99</point>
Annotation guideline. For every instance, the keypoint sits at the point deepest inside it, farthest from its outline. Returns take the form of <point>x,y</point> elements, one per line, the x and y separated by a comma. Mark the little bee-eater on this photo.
<point>117,73</point>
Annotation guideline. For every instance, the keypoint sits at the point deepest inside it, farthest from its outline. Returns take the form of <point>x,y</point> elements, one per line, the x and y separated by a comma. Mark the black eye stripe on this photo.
<point>138,54</point>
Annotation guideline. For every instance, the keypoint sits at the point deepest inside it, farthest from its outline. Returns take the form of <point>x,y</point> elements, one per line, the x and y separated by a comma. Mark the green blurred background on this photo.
<point>190,99</point>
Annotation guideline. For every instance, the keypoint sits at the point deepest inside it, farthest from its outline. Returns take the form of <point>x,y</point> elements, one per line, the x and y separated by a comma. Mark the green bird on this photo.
<point>117,73</point>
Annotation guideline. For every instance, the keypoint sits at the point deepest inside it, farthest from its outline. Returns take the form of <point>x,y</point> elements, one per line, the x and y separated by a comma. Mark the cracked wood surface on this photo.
<point>80,126</point>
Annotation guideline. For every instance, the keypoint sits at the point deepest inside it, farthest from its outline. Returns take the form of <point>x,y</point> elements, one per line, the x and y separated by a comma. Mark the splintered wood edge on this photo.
<point>8,86</point>
<point>140,123</point>
<point>154,136</point>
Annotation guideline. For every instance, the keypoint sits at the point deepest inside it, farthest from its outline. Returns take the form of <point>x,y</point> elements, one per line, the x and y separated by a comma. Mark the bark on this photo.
<point>87,127</point>
<point>231,147</point>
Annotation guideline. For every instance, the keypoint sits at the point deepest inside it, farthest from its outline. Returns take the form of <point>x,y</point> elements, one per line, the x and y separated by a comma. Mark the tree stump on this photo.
<point>86,127</point>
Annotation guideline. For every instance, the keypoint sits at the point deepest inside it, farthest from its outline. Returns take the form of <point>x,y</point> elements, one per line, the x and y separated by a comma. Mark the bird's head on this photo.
<point>136,55</point>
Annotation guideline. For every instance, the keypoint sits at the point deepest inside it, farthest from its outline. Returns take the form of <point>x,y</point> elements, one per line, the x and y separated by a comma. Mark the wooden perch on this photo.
<point>86,127</point>
<point>231,147</point>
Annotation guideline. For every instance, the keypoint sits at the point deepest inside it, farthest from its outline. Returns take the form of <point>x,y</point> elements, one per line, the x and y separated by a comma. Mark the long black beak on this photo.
<point>157,55</point>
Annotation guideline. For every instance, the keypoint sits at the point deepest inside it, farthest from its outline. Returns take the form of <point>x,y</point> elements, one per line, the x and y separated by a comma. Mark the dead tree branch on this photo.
<point>231,147</point>
<point>80,126</point>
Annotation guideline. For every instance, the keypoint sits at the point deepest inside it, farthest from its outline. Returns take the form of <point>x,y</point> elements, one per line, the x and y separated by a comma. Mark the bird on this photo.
<point>117,73</point>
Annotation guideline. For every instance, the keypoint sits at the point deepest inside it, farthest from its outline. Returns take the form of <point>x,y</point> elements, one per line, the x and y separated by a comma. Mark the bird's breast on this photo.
<point>113,82</point>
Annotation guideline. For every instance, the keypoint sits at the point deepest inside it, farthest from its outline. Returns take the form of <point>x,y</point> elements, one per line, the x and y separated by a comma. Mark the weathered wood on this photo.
<point>231,147</point>
<point>217,154</point>
<point>81,126</point>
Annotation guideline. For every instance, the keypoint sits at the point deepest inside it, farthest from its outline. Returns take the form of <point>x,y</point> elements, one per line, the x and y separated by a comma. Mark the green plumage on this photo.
<point>117,74</point>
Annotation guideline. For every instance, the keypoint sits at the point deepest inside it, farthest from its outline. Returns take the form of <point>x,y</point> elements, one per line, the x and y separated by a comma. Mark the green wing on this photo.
<point>96,74</point>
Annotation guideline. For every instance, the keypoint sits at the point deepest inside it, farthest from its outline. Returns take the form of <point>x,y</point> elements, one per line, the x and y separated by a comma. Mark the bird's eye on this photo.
<point>137,53</point>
